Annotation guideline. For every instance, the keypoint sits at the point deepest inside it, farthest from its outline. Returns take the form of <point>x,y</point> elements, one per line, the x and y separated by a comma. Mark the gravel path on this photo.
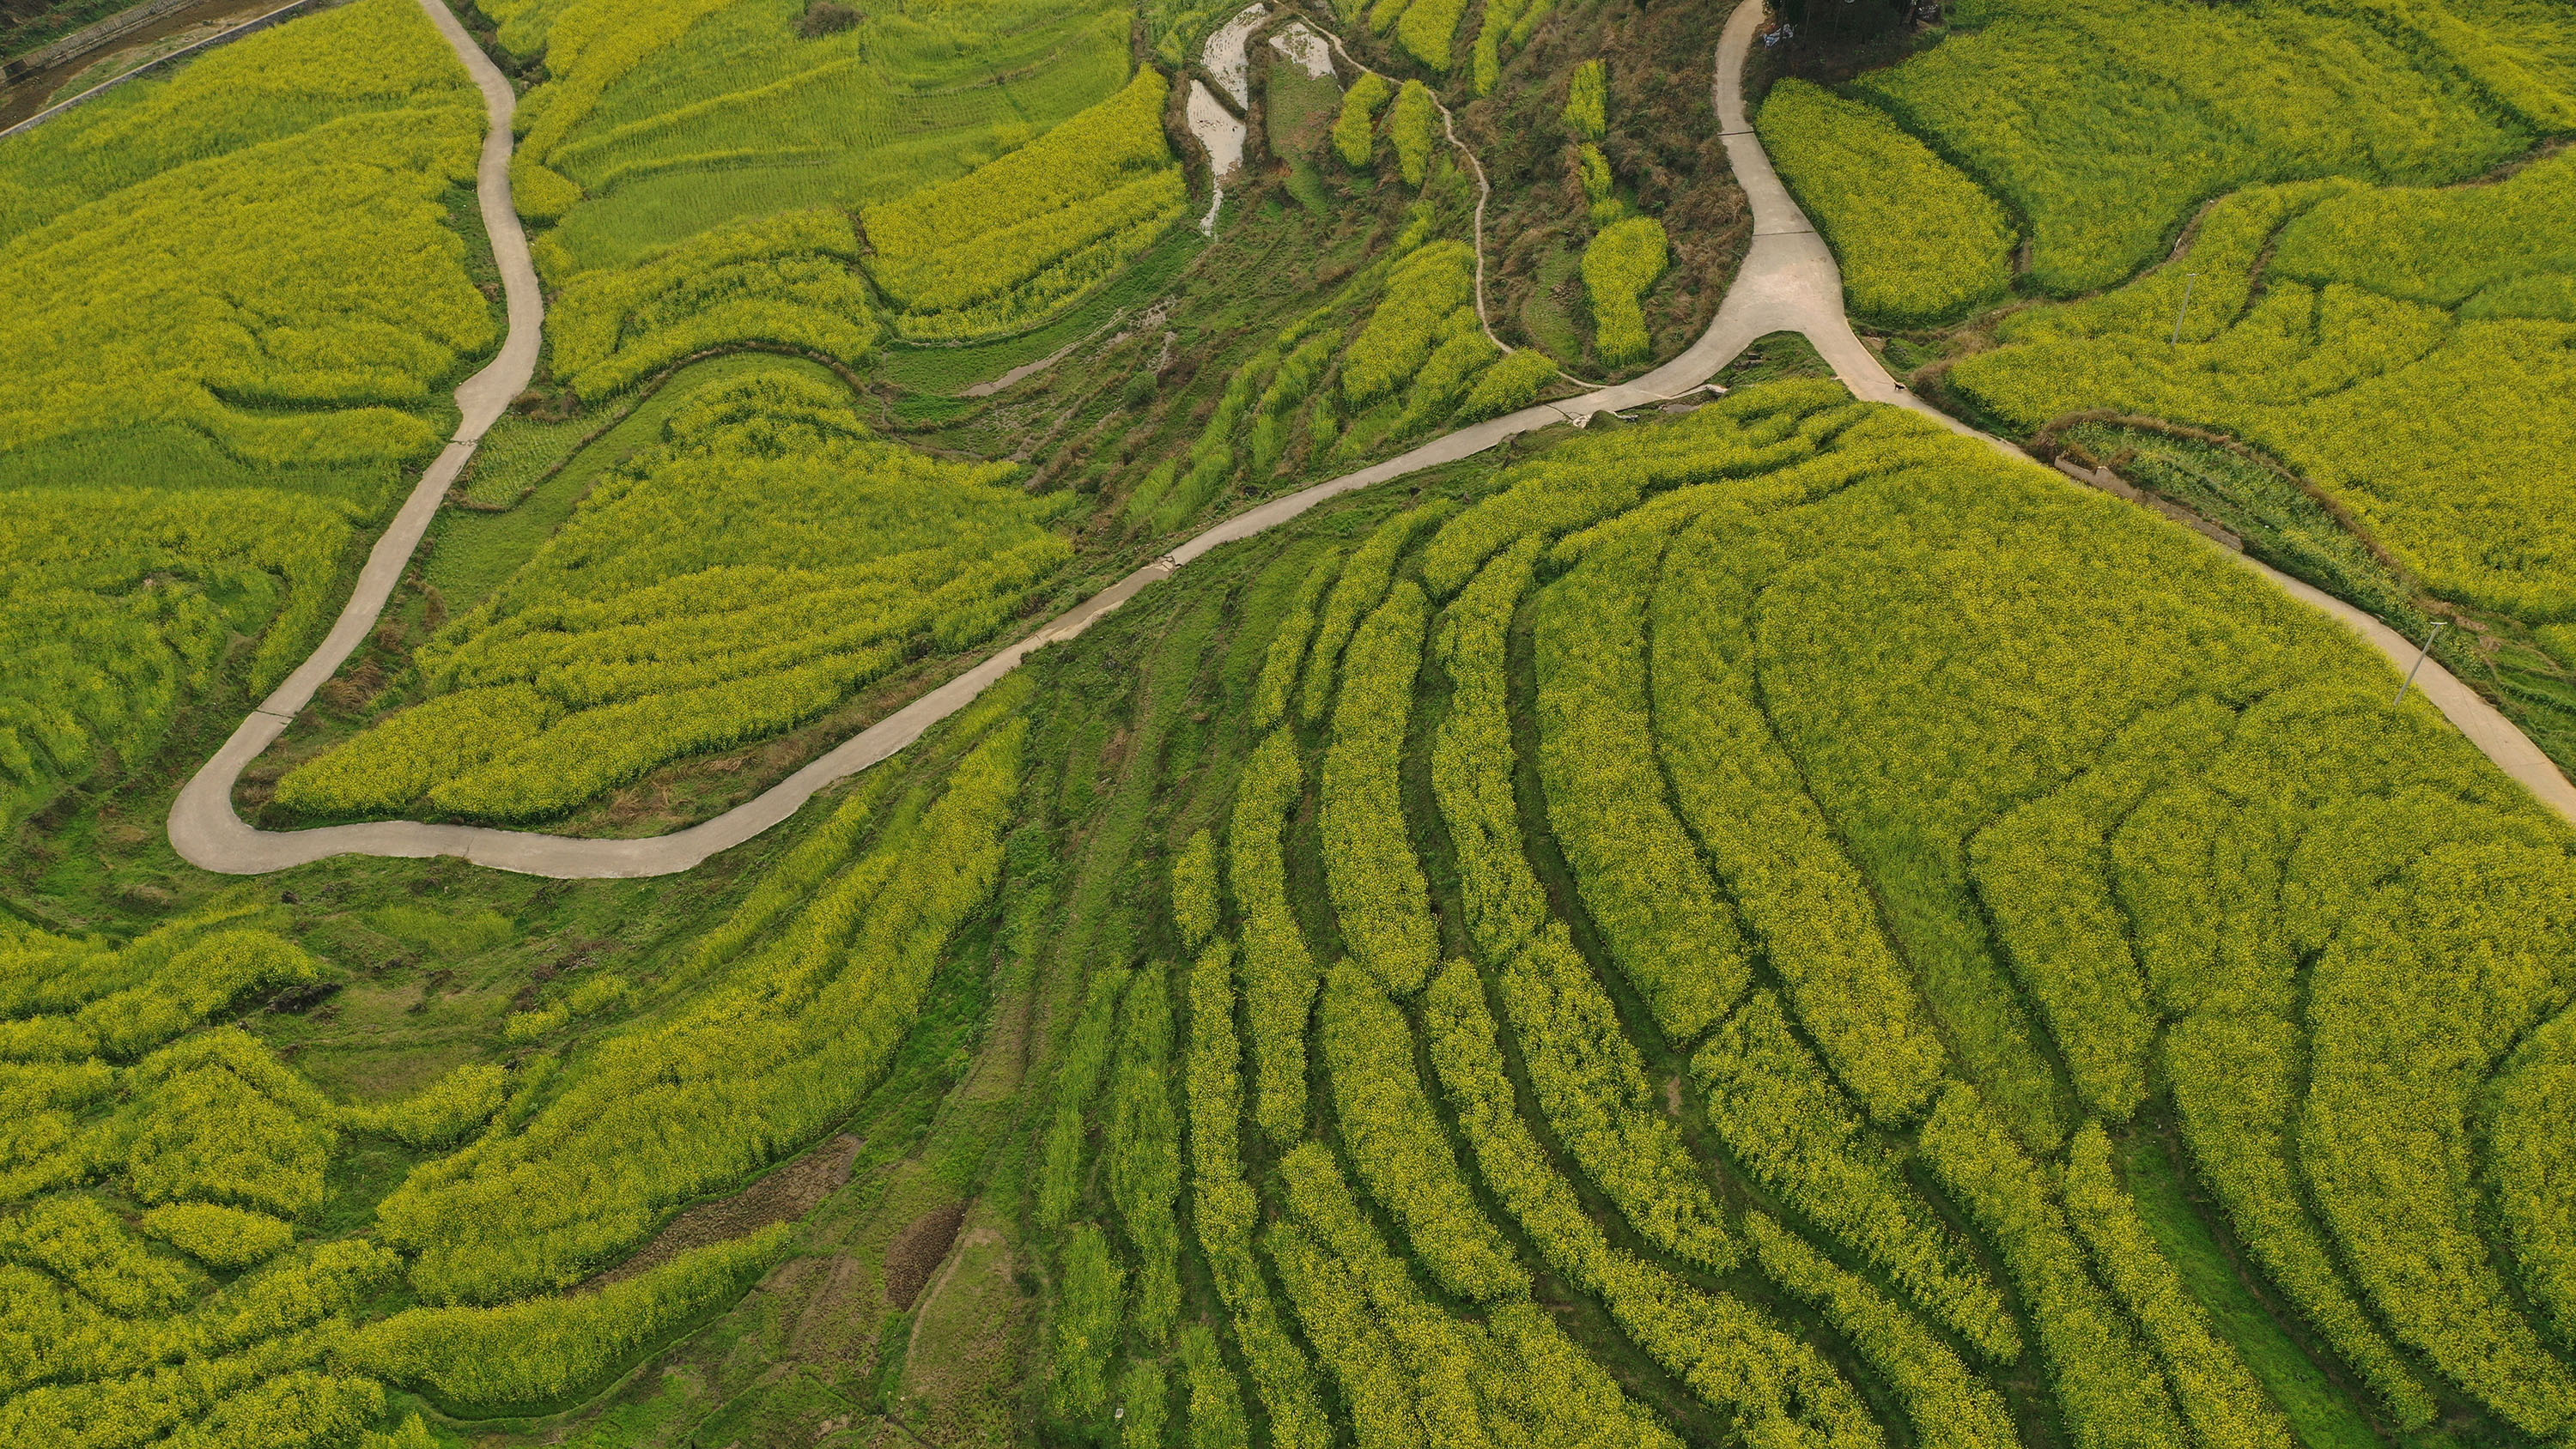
<point>1788,283</point>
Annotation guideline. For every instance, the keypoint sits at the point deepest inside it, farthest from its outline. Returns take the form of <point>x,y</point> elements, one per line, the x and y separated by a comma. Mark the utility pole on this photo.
<point>2185,307</point>
<point>2429,637</point>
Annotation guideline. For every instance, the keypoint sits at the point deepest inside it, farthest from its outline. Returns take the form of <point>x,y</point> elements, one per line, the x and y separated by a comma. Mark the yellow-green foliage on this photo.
<point>784,280</point>
<point>1357,591</point>
<point>218,1236</point>
<point>294,293</point>
<point>1783,1118</point>
<point>1194,902</point>
<point>1918,241</point>
<point>1730,1355</point>
<point>1279,977</point>
<point>768,558</point>
<point>1091,1296</point>
<point>2039,867</point>
<point>1285,655</point>
<point>1397,1145</point>
<point>1650,895</point>
<point>1949,1407</point>
<point>1471,759</point>
<point>543,1350</point>
<point>1378,892</point>
<point>539,192</point>
<point>1428,28</point>
<point>1621,261</point>
<point>1143,1152</point>
<point>1418,1373</point>
<point>1446,378</point>
<point>178,978</point>
<point>79,1241</point>
<point>1413,126</point>
<point>1600,187</point>
<point>2108,1387</point>
<point>2535,1165</point>
<point>1798,893</point>
<point>781,1046</point>
<point>2503,250</point>
<point>1078,1076</point>
<point>1214,1404</point>
<point>440,1114</point>
<point>238,1366</point>
<point>1509,22</point>
<point>2116,118</point>
<point>2200,870</point>
<point>1512,383</point>
<point>1425,295</point>
<point>740,115</point>
<point>1591,1086</point>
<point>1587,101</point>
<point>2436,428</point>
<point>590,45</point>
<point>223,1120</point>
<point>1355,130</point>
<point>1027,235</point>
<point>2420,988</point>
<point>2221,1401</point>
<point>1225,1213</point>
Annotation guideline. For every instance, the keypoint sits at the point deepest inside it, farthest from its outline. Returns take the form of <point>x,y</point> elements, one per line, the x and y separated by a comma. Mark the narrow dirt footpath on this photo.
<point>1788,283</point>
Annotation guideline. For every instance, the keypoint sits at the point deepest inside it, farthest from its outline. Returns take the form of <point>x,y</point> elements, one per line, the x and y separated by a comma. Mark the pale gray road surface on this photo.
<point>1788,283</point>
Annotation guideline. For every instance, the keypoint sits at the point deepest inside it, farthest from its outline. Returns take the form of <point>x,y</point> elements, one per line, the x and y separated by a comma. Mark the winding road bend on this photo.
<point>1788,283</point>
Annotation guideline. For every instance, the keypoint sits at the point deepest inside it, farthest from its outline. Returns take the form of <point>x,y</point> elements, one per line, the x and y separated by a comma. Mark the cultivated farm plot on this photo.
<point>765,558</point>
<point>1784,863</point>
<point>733,114</point>
<point>236,300</point>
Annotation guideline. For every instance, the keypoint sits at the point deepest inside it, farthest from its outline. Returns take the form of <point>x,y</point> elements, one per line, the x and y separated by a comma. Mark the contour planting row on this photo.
<point>1955,935</point>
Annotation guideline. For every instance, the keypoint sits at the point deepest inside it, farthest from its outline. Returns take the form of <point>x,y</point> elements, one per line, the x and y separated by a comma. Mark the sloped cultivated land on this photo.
<point>235,304</point>
<point>769,556</point>
<point>1799,804</point>
<point>181,1265</point>
<point>2398,347</point>
<point>1025,236</point>
<point>2103,125</point>
<point>665,121</point>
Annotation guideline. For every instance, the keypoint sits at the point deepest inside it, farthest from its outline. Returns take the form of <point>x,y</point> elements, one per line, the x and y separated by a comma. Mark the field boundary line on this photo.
<point>1788,282</point>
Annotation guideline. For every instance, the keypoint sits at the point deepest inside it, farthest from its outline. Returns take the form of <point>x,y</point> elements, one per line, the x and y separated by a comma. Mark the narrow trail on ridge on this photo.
<point>1788,283</point>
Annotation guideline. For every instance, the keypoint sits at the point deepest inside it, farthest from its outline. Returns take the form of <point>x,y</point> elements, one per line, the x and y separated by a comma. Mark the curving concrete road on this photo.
<point>203,826</point>
<point>1788,283</point>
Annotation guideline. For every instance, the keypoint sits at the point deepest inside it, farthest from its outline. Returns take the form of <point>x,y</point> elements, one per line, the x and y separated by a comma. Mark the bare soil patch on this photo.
<point>917,1252</point>
<point>790,1192</point>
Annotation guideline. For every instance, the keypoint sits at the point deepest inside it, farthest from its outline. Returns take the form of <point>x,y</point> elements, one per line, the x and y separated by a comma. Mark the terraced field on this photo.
<point>1765,917</point>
